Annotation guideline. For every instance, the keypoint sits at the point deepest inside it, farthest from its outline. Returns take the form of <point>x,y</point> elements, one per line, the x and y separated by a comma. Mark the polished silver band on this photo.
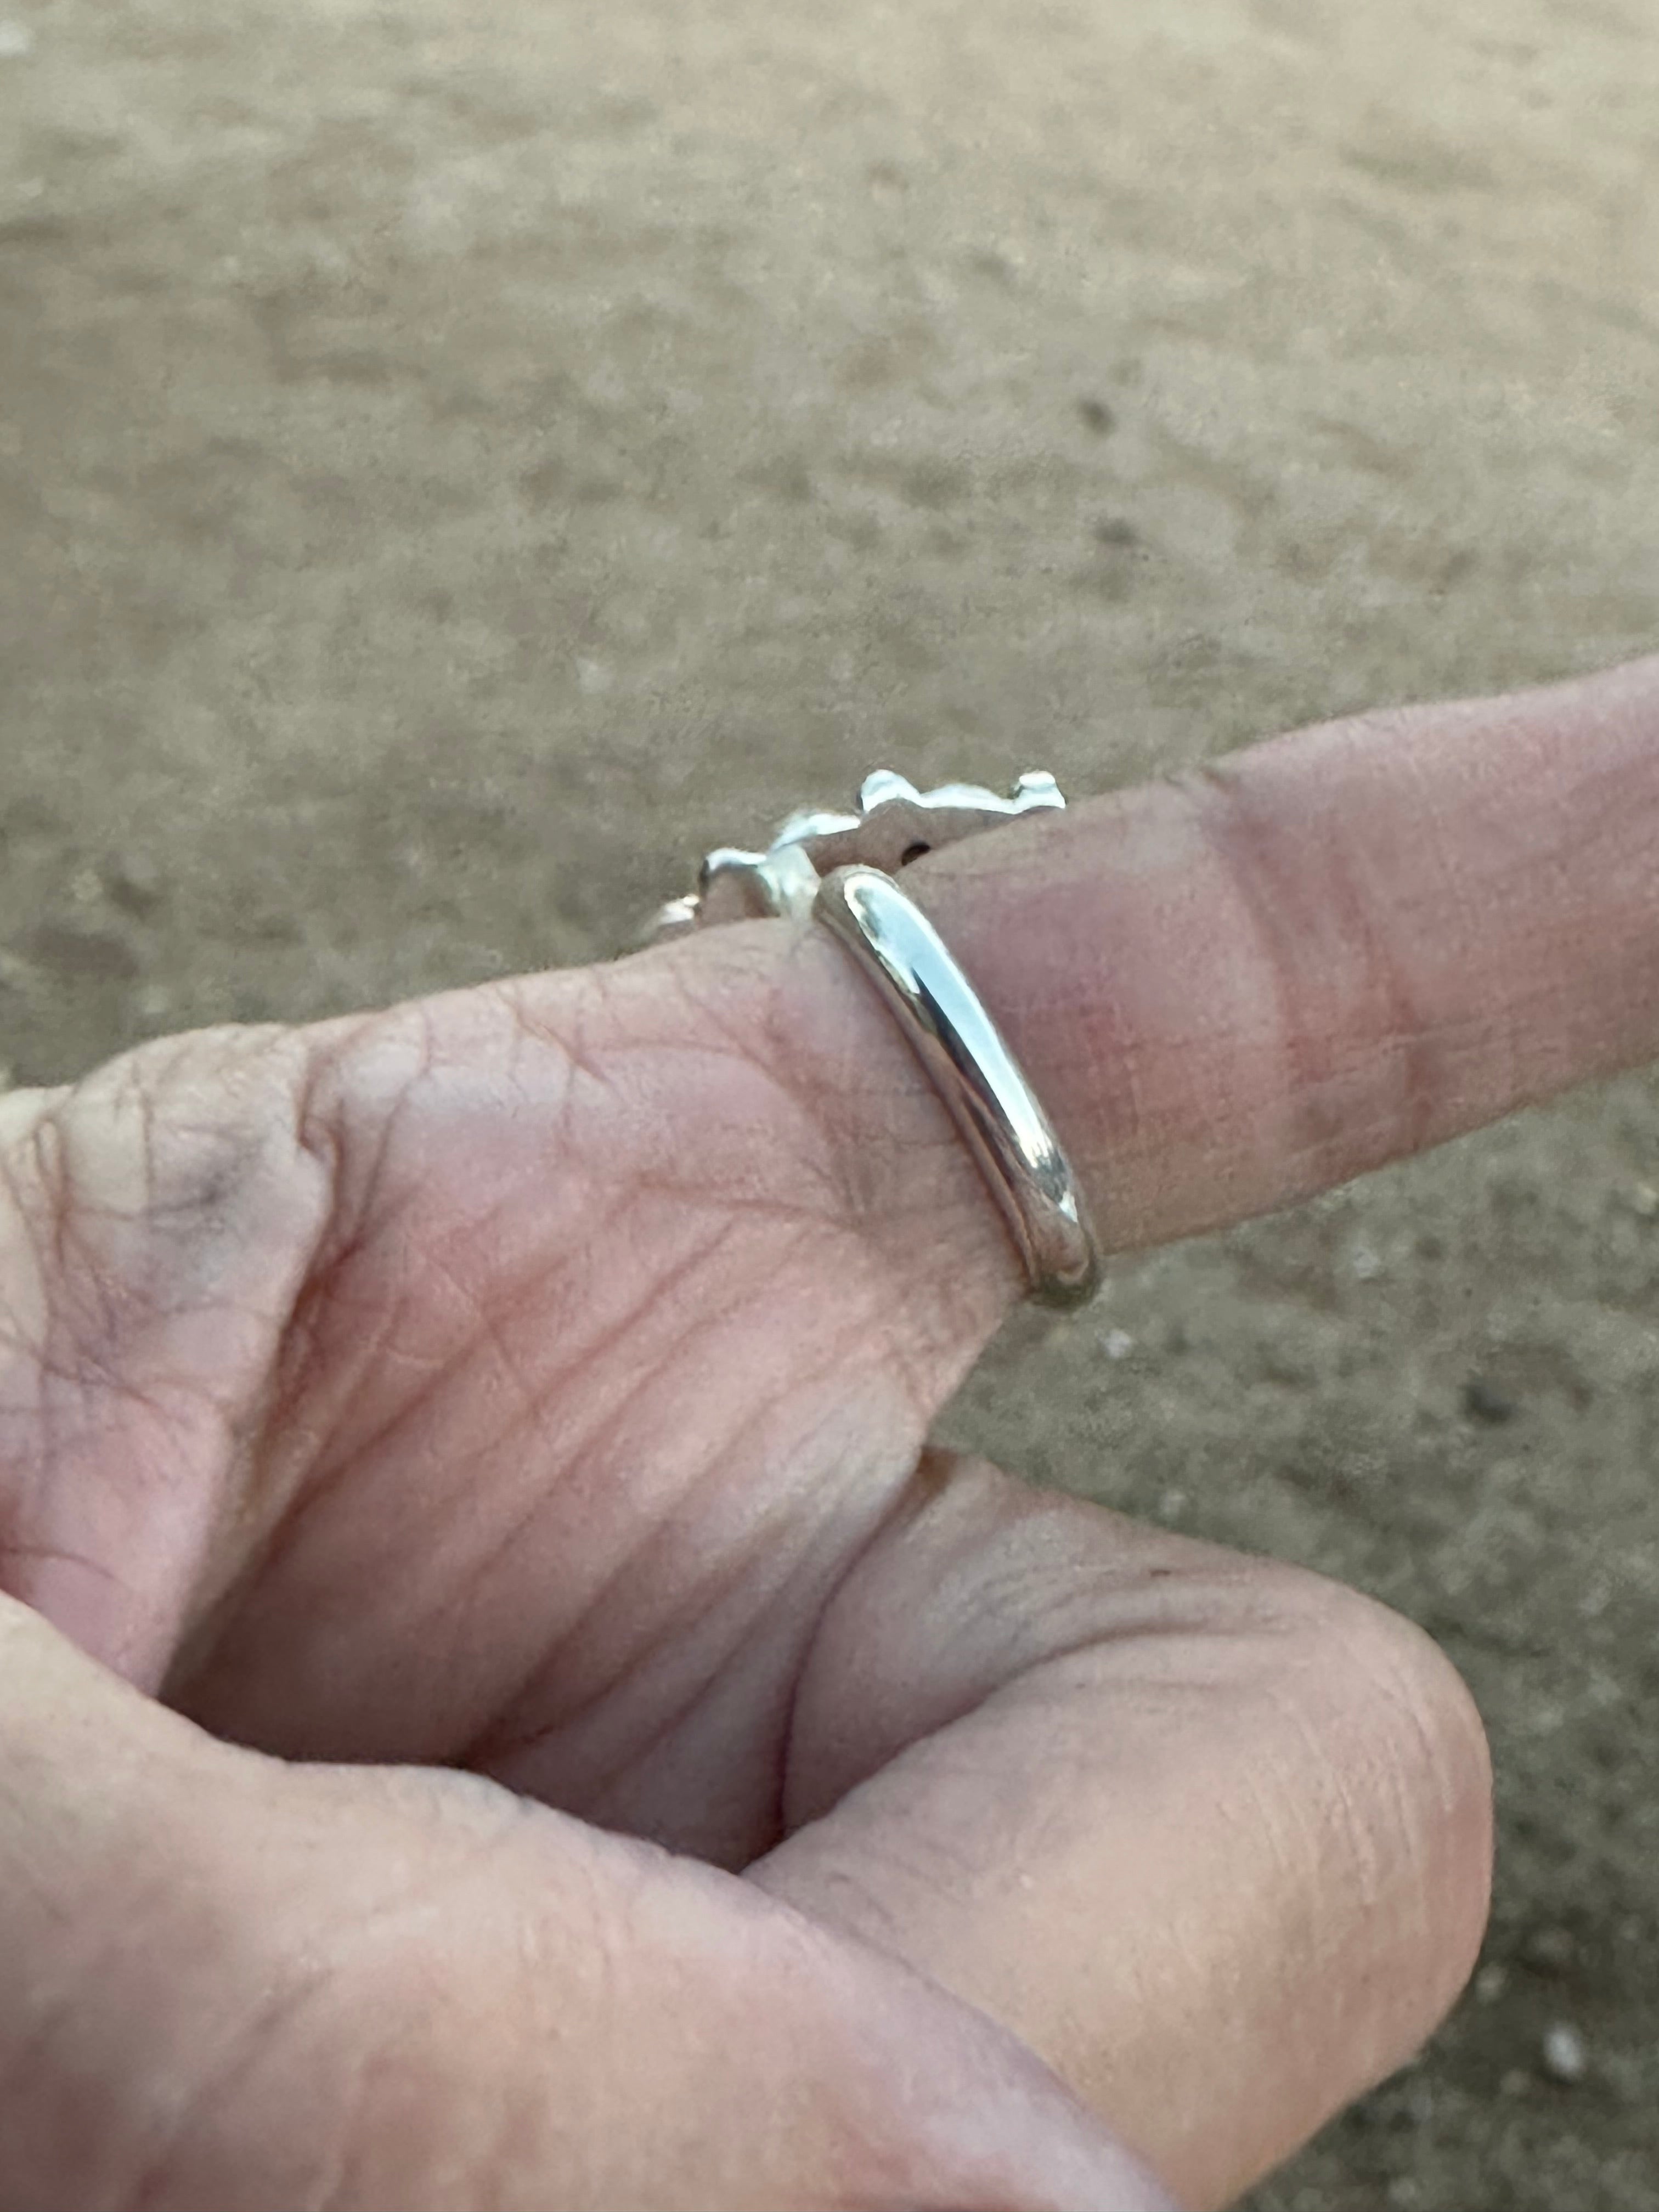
<point>975,1074</point>
<point>840,870</point>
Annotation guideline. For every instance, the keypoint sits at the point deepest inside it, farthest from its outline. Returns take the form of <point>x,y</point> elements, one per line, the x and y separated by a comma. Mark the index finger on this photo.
<point>1244,983</point>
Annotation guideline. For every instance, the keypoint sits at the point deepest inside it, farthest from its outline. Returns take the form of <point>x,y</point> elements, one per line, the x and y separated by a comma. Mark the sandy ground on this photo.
<point>458,462</point>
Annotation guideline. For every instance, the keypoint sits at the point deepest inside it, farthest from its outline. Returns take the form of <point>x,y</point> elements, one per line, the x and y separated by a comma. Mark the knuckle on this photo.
<point>157,1223</point>
<point>1408,1810</point>
<point>1419,1704</point>
<point>175,1176</point>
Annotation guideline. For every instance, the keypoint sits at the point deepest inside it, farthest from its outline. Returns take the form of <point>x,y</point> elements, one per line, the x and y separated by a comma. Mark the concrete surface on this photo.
<point>456,463</point>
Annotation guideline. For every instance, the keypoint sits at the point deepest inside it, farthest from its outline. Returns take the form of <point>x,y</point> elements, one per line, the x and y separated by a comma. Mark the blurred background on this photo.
<point>456,462</point>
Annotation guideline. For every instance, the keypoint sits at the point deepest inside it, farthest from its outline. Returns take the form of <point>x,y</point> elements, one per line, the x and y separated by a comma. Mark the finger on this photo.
<point>1240,985</point>
<point>233,1985</point>
<point>1212,1835</point>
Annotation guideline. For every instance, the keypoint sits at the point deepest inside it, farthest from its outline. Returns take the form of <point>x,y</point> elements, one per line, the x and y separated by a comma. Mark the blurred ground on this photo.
<point>458,463</point>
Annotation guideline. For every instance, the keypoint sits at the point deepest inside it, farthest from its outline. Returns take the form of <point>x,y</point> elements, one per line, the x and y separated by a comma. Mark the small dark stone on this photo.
<point>132,880</point>
<point>64,949</point>
<point>996,266</point>
<point>1482,1402</point>
<point>1114,530</point>
<point>1097,416</point>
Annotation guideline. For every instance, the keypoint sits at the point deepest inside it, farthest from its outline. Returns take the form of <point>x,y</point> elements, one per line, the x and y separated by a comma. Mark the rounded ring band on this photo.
<point>975,1075</point>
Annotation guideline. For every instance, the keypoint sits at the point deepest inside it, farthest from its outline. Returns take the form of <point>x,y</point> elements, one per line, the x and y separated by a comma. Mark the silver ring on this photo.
<point>975,1073</point>
<point>839,869</point>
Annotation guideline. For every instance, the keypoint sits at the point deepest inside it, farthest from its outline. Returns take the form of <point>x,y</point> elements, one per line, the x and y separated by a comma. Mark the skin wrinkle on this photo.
<point>781,1599</point>
<point>325,1302</point>
<point>362,1176</point>
<point>1336,1835</point>
<point>1147,1611</point>
<point>249,1170</point>
<point>582,1447</point>
<point>1264,861</point>
<point>246,2052</point>
<point>10,1549</point>
<point>762,1830</point>
<point>1335,1815</point>
<point>508,1541</point>
<point>491,1334</point>
<point>322,1290</point>
<point>318,1135</point>
<point>588,1443</point>
<point>595,1442</point>
<point>603,1789</point>
<point>909,1499</point>
<point>326,1128</point>
<point>1411,1820</point>
<point>1352,1828</point>
<point>641,1556</point>
<point>25,1330</point>
<point>654,1173</point>
<point>238,1485</point>
<point>512,1534</point>
<point>90,1377</point>
<point>1451,878</point>
<point>529,1030</point>
<point>287,1520</point>
<point>746,949</point>
<point>45,1149</point>
<point>238,1513</point>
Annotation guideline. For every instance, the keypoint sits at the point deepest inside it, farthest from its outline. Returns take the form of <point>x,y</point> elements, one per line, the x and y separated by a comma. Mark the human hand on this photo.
<point>536,1383</point>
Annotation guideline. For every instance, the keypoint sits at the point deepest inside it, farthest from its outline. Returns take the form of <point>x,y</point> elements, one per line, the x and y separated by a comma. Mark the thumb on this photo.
<point>234,1985</point>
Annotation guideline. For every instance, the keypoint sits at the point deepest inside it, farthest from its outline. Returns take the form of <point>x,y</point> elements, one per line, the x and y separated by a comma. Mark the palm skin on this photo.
<point>526,1382</point>
<point>537,1382</point>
